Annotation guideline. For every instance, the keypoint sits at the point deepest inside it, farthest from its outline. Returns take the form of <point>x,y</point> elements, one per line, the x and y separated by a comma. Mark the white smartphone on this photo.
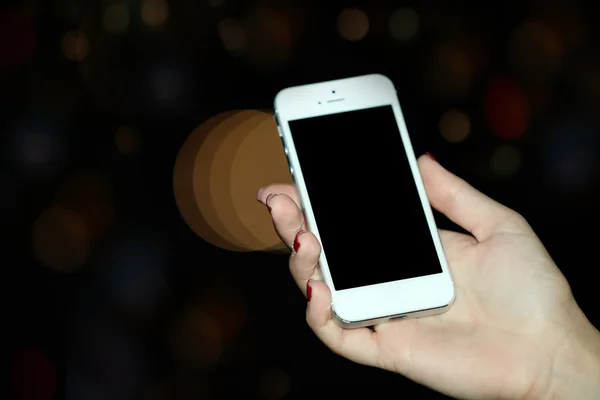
<point>362,195</point>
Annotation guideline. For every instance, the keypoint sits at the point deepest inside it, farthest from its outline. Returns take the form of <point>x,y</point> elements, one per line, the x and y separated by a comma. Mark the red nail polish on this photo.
<point>267,201</point>
<point>432,157</point>
<point>308,290</point>
<point>296,241</point>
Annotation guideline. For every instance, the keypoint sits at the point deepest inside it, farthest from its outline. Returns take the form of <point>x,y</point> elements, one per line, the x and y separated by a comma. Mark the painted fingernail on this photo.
<point>268,199</point>
<point>308,290</point>
<point>296,241</point>
<point>431,156</point>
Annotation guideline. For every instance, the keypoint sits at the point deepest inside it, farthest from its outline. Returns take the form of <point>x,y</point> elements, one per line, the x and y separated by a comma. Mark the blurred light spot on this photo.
<point>155,12</point>
<point>116,18</point>
<point>454,126</point>
<point>505,161</point>
<point>127,140</point>
<point>61,240</point>
<point>216,3</point>
<point>38,148</point>
<point>535,53</point>
<point>448,75</point>
<point>506,108</point>
<point>167,85</point>
<point>88,195</point>
<point>570,154</point>
<point>75,46</point>
<point>269,37</point>
<point>196,340</point>
<point>566,19</point>
<point>217,174</point>
<point>353,24</point>
<point>136,273</point>
<point>105,359</point>
<point>233,36</point>
<point>82,385</point>
<point>404,24</point>
<point>224,302</point>
<point>274,384</point>
<point>33,376</point>
<point>18,39</point>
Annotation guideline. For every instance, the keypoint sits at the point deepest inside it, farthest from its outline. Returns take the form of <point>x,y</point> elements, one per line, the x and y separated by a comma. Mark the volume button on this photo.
<point>279,131</point>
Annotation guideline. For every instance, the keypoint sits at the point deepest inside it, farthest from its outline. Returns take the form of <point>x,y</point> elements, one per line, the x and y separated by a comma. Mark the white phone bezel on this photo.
<point>366,305</point>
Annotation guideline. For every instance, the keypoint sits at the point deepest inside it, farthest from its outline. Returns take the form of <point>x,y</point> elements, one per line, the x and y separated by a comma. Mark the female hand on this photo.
<point>514,330</point>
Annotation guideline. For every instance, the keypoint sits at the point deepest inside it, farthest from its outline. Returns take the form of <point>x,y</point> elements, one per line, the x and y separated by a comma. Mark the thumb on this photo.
<point>465,205</point>
<point>359,345</point>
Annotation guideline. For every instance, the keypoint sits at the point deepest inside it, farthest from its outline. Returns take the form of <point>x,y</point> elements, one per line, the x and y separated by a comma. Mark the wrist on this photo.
<point>576,367</point>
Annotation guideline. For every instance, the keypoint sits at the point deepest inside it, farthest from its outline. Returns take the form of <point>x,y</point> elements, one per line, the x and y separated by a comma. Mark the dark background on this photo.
<point>96,99</point>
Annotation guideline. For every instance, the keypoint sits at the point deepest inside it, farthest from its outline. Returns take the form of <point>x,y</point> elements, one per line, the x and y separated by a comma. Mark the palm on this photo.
<point>496,323</point>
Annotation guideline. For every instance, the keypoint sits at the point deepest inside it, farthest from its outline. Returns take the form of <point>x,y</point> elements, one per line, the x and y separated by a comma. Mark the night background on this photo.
<point>138,264</point>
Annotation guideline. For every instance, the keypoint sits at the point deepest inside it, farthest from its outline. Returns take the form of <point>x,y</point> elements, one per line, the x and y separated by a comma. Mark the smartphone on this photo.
<point>362,195</point>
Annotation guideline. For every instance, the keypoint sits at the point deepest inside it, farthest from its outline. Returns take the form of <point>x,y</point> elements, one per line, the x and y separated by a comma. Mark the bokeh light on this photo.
<point>404,24</point>
<point>116,18</point>
<point>75,46</point>
<point>135,277</point>
<point>18,38</point>
<point>104,361</point>
<point>570,153</point>
<point>353,24</point>
<point>448,72</point>
<point>33,376</point>
<point>38,148</point>
<point>89,195</point>
<point>127,140</point>
<point>274,384</point>
<point>217,174</point>
<point>155,12</point>
<point>224,302</point>
<point>233,36</point>
<point>269,37</point>
<point>215,3</point>
<point>61,240</point>
<point>506,108</point>
<point>505,161</point>
<point>196,340</point>
<point>454,126</point>
<point>535,53</point>
<point>169,85</point>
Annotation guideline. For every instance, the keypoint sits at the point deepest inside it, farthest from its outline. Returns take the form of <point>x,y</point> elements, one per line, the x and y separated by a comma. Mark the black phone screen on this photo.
<point>365,201</point>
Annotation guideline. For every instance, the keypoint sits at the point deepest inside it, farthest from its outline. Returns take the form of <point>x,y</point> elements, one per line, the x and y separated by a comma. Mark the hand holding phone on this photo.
<point>348,135</point>
<point>505,334</point>
<point>514,330</point>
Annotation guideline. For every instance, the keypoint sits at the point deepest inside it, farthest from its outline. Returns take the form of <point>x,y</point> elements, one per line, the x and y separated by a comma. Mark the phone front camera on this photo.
<point>333,91</point>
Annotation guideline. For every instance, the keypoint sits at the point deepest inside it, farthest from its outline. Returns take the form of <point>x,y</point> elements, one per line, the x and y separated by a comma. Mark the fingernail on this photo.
<point>268,199</point>
<point>431,156</point>
<point>296,241</point>
<point>308,290</point>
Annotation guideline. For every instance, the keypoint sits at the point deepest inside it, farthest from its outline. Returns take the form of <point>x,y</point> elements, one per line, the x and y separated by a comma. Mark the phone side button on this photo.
<point>292,171</point>
<point>279,132</point>
<point>285,150</point>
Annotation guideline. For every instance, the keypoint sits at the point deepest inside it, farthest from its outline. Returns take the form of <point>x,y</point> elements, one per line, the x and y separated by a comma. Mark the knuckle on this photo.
<point>515,221</point>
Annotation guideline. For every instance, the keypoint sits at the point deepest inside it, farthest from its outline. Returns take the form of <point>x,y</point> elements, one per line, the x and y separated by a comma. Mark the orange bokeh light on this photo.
<point>217,174</point>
